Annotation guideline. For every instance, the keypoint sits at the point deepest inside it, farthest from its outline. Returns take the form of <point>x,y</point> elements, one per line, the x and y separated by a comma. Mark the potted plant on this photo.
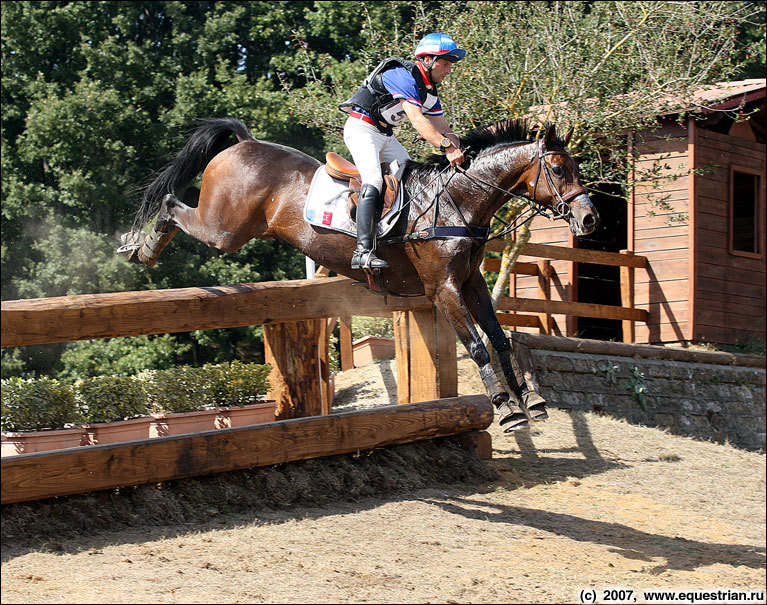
<point>114,408</point>
<point>39,414</point>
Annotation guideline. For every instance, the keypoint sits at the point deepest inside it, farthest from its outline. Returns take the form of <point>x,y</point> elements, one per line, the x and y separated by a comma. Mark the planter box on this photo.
<point>181,423</point>
<point>122,430</point>
<point>43,441</point>
<point>366,350</point>
<point>255,413</point>
<point>134,429</point>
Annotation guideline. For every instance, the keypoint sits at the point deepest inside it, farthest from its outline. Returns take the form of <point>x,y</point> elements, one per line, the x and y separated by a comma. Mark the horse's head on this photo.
<point>552,180</point>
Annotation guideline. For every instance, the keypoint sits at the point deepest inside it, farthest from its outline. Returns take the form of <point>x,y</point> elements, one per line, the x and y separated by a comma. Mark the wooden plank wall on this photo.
<point>663,287</point>
<point>555,233</point>
<point>729,289</point>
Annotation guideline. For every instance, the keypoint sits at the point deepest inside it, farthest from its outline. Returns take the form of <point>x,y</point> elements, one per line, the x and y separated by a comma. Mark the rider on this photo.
<point>394,91</point>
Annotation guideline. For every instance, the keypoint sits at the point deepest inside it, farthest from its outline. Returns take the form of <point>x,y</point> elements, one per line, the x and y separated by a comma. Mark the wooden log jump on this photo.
<point>82,470</point>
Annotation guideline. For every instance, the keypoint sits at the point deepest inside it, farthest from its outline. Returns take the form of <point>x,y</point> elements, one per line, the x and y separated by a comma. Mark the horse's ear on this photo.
<point>568,136</point>
<point>551,135</point>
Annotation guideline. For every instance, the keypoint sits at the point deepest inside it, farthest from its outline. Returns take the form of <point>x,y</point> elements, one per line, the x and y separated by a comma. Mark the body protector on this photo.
<point>373,97</point>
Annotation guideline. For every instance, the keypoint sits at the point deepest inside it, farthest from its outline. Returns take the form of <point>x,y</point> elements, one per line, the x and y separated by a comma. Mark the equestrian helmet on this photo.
<point>439,45</point>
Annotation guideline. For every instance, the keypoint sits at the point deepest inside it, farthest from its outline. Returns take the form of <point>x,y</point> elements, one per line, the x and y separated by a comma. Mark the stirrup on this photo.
<point>365,259</point>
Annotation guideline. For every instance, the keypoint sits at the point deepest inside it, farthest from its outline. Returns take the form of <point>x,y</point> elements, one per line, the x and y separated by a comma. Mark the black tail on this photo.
<point>207,141</point>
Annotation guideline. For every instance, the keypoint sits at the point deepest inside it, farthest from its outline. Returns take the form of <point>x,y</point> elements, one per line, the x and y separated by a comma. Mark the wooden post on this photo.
<point>326,384</point>
<point>544,292</point>
<point>345,341</point>
<point>402,355</point>
<point>426,357</point>
<point>627,298</point>
<point>292,349</point>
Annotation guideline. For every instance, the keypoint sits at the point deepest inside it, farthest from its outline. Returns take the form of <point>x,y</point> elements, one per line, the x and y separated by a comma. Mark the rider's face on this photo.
<point>440,70</point>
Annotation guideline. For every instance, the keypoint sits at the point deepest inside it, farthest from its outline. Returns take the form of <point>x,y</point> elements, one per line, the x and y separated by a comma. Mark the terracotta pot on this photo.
<point>368,349</point>
<point>255,413</point>
<point>42,441</point>
<point>180,423</point>
<point>122,430</point>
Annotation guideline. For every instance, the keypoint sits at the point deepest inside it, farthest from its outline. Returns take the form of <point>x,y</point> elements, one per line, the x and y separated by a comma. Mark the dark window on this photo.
<point>744,208</point>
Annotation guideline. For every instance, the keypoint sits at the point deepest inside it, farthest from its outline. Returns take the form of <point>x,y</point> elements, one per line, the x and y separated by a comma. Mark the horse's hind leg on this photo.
<point>165,229</point>
<point>481,307</point>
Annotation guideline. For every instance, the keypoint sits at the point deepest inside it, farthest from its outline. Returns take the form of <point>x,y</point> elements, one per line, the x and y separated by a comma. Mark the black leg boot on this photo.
<point>368,214</point>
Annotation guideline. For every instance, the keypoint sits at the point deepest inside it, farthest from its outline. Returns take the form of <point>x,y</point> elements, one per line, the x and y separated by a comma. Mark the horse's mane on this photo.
<point>505,132</point>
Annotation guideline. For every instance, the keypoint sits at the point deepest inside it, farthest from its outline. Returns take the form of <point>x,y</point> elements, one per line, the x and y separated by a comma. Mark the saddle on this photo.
<point>343,170</point>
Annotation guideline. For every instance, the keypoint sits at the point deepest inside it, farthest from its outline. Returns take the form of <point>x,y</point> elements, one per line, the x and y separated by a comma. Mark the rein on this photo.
<point>560,210</point>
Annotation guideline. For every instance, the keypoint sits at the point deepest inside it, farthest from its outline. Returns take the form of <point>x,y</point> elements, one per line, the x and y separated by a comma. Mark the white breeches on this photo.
<point>371,148</point>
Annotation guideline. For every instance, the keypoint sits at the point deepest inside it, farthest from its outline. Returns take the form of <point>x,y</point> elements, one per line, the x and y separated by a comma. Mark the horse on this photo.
<point>257,189</point>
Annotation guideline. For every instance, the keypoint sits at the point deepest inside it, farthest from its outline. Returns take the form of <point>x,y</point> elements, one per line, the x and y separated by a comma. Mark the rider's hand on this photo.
<point>455,156</point>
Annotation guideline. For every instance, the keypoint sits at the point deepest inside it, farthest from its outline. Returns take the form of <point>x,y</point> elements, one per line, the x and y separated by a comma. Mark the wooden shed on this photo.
<point>702,230</point>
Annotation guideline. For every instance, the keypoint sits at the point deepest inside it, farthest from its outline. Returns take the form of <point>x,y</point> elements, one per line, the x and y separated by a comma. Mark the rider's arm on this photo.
<point>440,123</point>
<point>427,129</point>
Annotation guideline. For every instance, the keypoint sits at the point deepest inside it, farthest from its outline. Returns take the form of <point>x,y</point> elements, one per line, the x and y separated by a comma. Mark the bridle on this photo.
<point>561,208</point>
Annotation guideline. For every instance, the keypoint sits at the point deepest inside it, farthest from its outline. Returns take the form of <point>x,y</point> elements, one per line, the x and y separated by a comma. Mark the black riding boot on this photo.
<point>369,208</point>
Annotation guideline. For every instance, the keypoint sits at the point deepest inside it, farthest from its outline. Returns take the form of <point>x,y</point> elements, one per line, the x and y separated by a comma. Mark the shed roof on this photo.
<point>717,97</point>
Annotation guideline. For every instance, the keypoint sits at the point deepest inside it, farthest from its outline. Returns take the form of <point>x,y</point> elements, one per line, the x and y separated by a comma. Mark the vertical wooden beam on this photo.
<point>292,349</point>
<point>544,293</point>
<point>326,384</point>
<point>571,321</point>
<point>627,298</point>
<point>692,226</point>
<point>402,355</point>
<point>426,356</point>
<point>345,342</point>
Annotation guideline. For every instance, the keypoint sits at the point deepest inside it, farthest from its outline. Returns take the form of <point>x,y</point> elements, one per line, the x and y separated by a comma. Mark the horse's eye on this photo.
<point>557,169</point>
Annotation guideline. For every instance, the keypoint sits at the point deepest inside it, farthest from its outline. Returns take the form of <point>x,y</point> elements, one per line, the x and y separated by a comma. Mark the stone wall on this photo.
<point>703,394</point>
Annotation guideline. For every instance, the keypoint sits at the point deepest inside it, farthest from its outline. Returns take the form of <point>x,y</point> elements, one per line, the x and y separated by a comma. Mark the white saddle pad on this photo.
<point>327,205</point>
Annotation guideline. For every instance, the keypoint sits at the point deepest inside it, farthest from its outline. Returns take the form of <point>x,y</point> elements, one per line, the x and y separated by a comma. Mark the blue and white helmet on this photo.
<point>440,45</point>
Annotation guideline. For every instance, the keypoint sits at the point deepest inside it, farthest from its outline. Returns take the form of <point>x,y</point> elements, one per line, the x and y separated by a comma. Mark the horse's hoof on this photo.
<point>130,252</point>
<point>535,406</point>
<point>513,418</point>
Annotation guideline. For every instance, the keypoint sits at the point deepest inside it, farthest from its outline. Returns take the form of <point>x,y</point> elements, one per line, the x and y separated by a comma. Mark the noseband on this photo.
<point>562,205</point>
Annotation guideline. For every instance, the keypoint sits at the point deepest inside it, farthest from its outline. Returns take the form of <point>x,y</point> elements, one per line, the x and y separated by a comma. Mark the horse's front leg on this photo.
<point>481,307</point>
<point>449,299</point>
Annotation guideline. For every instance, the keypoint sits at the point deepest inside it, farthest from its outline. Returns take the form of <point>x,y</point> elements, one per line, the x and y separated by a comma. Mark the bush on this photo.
<point>37,403</point>
<point>110,398</point>
<point>34,404</point>
<point>187,389</point>
<point>239,383</point>
<point>372,326</point>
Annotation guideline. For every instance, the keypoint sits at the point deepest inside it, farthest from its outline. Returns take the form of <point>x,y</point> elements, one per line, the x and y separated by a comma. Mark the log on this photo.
<point>89,316</point>
<point>80,470</point>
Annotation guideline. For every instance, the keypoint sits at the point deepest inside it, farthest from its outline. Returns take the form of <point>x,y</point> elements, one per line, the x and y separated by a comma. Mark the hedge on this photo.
<point>45,403</point>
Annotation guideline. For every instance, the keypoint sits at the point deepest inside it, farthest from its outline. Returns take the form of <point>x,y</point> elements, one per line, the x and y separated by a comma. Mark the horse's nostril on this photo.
<point>589,221</point>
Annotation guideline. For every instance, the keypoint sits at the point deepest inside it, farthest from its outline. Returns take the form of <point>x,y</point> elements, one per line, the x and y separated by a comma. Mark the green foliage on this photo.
<point>110,398</point>
<point>37,403</point>
<point>119,356</point>
<point>186,389</point>
<point>372,326</point>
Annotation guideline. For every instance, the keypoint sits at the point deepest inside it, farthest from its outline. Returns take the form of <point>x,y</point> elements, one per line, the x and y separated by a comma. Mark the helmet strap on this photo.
<point>426,70</point>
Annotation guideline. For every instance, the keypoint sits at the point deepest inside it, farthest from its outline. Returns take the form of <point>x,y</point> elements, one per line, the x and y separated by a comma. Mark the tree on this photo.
<point>602,68</point>
<point>97,96</point>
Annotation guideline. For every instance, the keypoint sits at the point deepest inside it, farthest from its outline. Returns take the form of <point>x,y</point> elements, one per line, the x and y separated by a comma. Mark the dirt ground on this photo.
<point>581,501</point>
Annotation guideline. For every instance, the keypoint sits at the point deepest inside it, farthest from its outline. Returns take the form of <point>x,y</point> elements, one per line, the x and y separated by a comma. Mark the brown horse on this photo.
<point>257,189</point>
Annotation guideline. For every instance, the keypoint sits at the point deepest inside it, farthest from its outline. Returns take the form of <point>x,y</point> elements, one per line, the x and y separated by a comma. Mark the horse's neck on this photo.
<point>502,169</point>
